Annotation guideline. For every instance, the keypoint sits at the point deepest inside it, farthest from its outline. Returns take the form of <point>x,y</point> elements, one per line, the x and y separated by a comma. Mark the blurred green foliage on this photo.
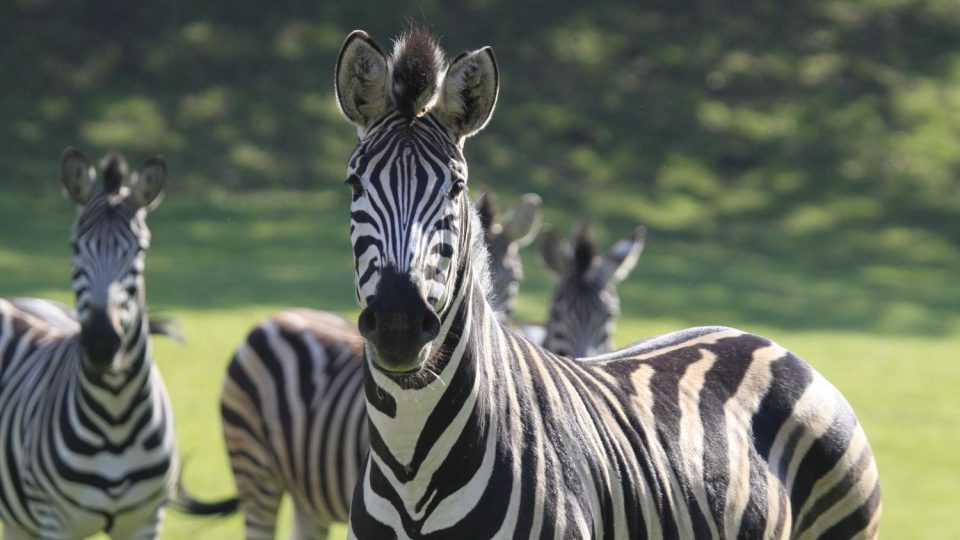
<point>819,140</point>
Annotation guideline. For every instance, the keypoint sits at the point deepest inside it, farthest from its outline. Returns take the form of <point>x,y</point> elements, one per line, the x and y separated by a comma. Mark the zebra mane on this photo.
<point>481,255</point>
<point>416,66</point>
<point>584,250</point>
<point>114,170</point>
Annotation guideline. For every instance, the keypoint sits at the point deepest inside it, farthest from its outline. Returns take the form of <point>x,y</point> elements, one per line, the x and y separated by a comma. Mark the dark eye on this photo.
<point>355,184</point>
<point>456,188</point>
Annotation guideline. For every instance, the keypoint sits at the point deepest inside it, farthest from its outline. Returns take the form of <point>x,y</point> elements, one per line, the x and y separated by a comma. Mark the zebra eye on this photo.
<point>355,184</point>
<point>456,188</point>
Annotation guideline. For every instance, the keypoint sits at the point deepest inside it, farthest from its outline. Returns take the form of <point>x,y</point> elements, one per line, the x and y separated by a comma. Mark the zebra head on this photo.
<point>504,238</point>
<point>109,240</point>
<point>410,219</point>
<point>585,303</point>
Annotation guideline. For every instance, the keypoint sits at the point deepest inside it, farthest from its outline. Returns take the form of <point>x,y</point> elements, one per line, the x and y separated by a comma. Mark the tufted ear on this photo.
<point>554,249</point>
<point>522,223</point>
<point>147,183</point>
<point>77,175</point>
<point>361,79</point>
<point>469,92</point>
<point>622,257</point>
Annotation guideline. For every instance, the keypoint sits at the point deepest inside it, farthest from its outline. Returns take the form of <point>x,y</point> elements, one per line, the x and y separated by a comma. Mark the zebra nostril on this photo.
<point>431,326</point>
<point>367,323</point>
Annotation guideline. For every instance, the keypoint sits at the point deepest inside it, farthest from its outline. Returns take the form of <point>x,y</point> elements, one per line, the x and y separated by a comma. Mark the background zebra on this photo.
<point>86,428</point>
<point>292,405</point>
<point>503,239</point>
<point>477,433</point>
<point>585,304</point>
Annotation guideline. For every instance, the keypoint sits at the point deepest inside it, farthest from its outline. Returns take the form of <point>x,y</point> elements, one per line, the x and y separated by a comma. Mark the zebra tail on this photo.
<point>186,503</point>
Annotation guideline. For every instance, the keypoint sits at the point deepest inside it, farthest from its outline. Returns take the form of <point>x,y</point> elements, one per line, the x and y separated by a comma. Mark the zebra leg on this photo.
<point>307,528</point>
<point>260,503</point>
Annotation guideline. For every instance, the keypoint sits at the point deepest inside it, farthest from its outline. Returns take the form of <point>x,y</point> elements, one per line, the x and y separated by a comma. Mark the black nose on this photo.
<point>99,339</point>
<point>398,321</point>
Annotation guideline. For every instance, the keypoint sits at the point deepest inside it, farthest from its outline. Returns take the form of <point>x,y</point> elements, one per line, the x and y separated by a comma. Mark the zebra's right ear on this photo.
<point>147,183</point>
<point>361,79</point>
<point>622,257</point>
<point>554,250</point>
<point>523,222</point>
<point>77,175</point>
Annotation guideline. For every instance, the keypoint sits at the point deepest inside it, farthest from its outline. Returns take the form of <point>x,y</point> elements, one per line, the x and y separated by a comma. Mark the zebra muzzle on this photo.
<point>398,322</point>
<point>99,339</point>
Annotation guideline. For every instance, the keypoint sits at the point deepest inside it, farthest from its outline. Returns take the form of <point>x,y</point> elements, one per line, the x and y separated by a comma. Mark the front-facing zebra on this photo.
<point>86,429</point>
<point>294,419</point>
<point>477,433</point>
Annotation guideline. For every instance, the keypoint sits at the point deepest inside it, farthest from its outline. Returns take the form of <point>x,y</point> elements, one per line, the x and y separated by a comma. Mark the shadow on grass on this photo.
<point>281,248</point>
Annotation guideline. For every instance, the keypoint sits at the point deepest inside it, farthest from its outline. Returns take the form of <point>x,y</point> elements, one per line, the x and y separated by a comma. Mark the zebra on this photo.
<point>477,433</point>
<point>503,238</point>
<point>292,405</point>
<point>86,427</point>
<point>585,303</point>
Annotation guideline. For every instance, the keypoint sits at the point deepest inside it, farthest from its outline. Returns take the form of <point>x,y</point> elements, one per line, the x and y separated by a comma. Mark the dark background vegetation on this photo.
<point>796,163</point>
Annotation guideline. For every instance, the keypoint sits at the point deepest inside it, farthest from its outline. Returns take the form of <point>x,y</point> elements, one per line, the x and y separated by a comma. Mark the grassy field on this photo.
<point>887,335</point>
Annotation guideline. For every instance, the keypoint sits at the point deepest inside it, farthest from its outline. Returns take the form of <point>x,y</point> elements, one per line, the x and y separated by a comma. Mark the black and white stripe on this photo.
<point>86,429</point>
<point>477,433</point>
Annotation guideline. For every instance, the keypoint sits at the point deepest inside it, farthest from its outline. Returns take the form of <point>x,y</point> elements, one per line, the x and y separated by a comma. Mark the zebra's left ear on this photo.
<point>147,183</point>
<point>523,222</point>
<point>469,92</point>
<point>622,257</point>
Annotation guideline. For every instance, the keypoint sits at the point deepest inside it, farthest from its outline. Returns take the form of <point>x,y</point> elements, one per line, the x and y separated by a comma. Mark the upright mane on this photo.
<point>584,250</point>
<point>114,169</point>
<point>416,66</point>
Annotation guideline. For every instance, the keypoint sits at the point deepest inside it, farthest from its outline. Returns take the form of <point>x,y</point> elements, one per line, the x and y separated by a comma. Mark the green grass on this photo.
<point>887,335</point>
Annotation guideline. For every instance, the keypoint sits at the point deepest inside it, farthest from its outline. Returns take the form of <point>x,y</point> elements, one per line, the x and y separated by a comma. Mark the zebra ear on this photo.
<point>147,183</point>
<point>523,222</point>
<point>554,250</point>
<point>361,79</point>
<point>469,92</point>
<point>77,175</point>
<point>622,257</point>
